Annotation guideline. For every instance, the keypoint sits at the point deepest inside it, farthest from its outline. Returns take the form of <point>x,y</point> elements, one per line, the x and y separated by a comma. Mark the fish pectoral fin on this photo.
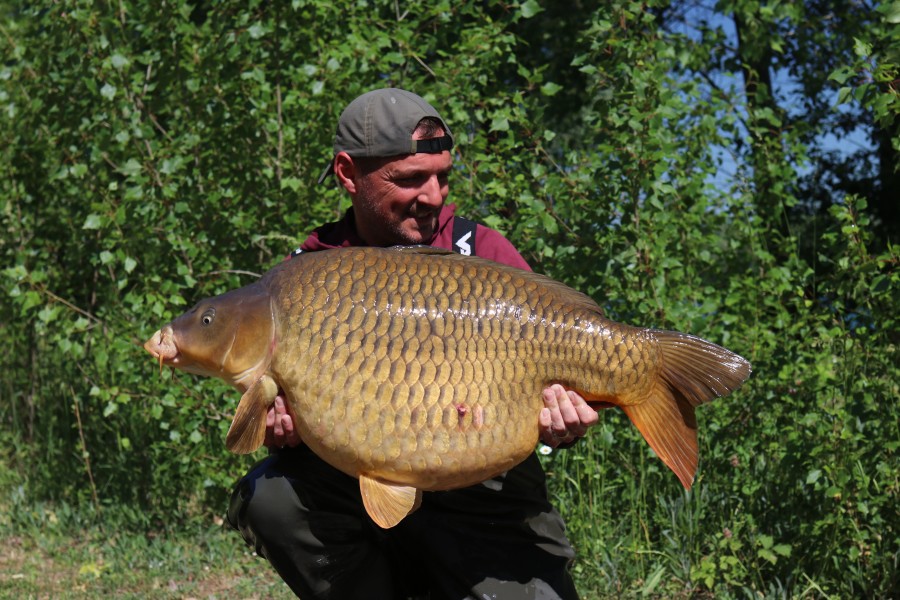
<point>248,428</point>
<point>388,503</point>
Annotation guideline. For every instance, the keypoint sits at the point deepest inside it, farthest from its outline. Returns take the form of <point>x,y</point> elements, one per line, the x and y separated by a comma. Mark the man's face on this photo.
<point>399,201</point>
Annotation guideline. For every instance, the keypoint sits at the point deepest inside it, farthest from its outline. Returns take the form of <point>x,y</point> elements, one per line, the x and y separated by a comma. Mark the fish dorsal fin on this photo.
<point>388,503</point>
<point>568,294</point>
<point>248,428</point>
<point>421,249</point>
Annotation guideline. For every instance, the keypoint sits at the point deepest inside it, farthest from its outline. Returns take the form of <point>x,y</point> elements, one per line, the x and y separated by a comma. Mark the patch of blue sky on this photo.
<point>690,19</point>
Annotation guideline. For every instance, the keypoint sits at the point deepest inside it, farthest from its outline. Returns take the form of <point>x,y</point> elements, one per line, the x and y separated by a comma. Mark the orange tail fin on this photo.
<point>694,372</point>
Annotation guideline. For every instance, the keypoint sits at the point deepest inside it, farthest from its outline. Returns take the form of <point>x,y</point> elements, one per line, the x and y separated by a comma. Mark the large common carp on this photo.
<point>417,369</point>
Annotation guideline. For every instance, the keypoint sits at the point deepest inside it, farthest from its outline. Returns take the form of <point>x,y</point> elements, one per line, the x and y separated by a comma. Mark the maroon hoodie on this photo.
<point>489,244</point>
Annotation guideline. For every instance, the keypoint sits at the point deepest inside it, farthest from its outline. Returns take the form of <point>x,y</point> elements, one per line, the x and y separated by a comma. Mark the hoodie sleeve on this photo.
<point>491,244</point>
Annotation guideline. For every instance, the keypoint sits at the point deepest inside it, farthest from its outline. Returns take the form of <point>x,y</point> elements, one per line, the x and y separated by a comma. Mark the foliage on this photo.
<point>156,156</point>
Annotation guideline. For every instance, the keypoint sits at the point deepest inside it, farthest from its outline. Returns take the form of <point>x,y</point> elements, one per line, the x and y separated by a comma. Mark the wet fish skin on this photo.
<point>415,369</point>
<point>473,403</point>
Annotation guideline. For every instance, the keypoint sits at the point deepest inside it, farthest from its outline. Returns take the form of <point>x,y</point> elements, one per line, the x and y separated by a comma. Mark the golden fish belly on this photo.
<point>427,370</point>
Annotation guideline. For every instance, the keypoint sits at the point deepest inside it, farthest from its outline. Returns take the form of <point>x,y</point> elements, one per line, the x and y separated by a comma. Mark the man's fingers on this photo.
<point>545,419</point>
<point>291,437</point>
<point>552,426</point>
<point>285,432</point>
<point>270,425</point>
<point>552,398</point>
<point>278,426</point>
<point>545,422</point>
<point>587,416</point>
<point>565,416</point>
<point>569,415</point>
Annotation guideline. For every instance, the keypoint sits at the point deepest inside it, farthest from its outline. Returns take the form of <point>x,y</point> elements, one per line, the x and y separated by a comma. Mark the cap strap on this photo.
<point>432,145</point>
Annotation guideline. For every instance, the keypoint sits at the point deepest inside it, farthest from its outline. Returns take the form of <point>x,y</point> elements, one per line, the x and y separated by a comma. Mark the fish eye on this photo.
<point>207,317</point>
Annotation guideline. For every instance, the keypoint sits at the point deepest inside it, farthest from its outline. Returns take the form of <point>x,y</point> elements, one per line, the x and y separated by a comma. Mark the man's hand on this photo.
<point>280,430</point>
<point>566,416</point>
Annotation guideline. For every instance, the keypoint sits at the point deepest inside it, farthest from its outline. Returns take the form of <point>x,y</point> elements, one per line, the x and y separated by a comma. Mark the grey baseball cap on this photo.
<point>381,123</point>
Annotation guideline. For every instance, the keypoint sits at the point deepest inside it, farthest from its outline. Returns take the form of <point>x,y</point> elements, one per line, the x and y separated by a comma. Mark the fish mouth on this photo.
<point>161,345</point>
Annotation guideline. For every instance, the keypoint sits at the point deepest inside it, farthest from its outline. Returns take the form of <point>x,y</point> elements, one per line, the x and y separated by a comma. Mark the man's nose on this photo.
<point>432,192</point>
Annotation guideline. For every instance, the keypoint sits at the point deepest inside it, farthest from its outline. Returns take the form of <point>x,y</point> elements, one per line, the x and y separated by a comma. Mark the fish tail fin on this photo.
<point>248,428</point>
<point>694,372</point>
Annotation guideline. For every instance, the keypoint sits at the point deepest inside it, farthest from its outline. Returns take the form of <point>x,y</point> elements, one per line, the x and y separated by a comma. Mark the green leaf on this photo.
<point>93,221</point>
<point>653,582</point>
<point>844,94</point>
<point>891,12</point>
<point>130,168</point>
<point>171,165</point>
<point>108,91</point>
<point>31,299</point>
<point>48,314</point>
<point>768,555</point>
<point>862,48</point>
<point>118,61</point>
<point>500,124</point>
<point>291,183</point>
<point>530,8</point>
<point>550,88</point>
<point>257,30</point>
<point>813,476</point>
<point>782,549</point>
<point>842,74</point>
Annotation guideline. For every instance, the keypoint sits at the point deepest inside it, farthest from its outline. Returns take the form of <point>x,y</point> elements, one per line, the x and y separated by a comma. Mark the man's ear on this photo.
<point>346,171</point>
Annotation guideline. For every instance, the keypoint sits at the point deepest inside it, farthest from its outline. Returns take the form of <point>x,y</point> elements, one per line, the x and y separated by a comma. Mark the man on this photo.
<point>499,539</point>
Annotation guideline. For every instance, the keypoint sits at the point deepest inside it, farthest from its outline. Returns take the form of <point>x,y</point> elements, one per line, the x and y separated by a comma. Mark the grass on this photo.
<point>203,562</point>
<point>67,552</point>
<point>59,550</point>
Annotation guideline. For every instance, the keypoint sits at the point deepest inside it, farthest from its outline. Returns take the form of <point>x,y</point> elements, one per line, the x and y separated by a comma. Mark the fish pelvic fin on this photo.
<point>694,372</point>
<point>248,428</point>
<point>388,503</point>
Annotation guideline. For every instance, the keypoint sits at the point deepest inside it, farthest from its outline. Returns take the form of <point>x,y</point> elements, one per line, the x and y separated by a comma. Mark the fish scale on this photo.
<point>496,327</point>
<point>415,369</point>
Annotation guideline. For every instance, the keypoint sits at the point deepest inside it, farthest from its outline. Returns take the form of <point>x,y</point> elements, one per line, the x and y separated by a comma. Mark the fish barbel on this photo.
<point>418,369</point>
